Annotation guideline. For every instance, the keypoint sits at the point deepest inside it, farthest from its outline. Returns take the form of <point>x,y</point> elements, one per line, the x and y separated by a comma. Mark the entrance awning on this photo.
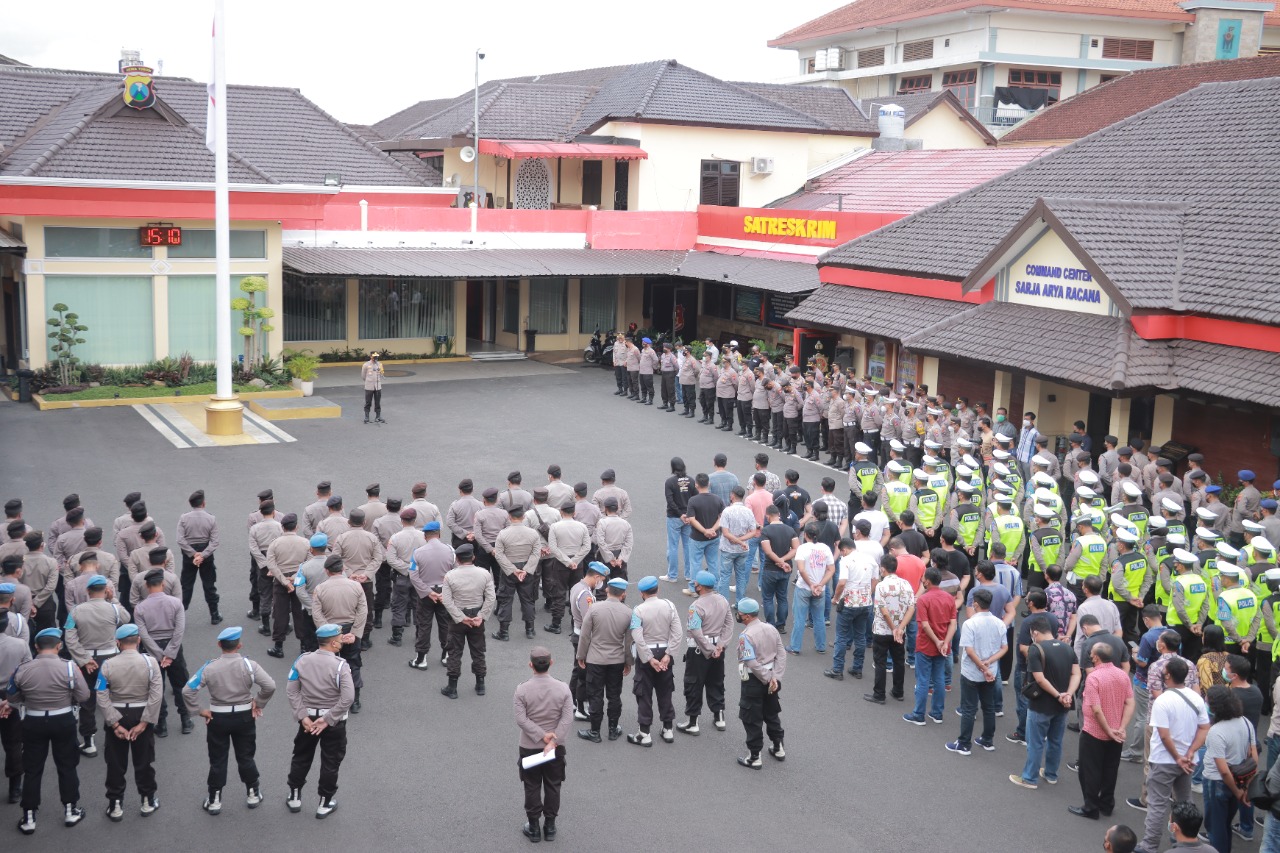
<point>10,243</point>
<point>554,150</point>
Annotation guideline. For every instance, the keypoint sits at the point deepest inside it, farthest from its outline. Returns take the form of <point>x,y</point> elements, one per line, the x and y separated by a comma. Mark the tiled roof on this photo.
<point>1097,107</point>
<point>863,14</point>
<point>533,111</point>
<point>777,276</point>
<point>872,312</point>
<point>65,124</point>
<point>1227,371</point>
<point>831,106</point>
<point>1210,150</point>
<point>394,125</point>
<point>464,263</point>
<point>906,181</point>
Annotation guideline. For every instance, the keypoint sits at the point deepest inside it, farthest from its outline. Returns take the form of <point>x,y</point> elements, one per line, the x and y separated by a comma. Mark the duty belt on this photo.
<point>230,709</point>
<point>127,705</point>
<point>103,653</point>
<point>51,713</point>
<point>320,712</point>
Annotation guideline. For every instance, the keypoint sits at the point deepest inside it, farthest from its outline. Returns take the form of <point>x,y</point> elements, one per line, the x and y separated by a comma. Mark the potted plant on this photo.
<point>302,367</point>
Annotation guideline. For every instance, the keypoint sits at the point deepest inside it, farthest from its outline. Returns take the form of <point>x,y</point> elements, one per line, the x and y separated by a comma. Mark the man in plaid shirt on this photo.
<point>1062,601</point>
<point>837,510</point>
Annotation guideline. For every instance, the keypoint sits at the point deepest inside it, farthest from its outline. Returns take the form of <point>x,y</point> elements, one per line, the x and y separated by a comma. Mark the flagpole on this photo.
<point>224,413</point>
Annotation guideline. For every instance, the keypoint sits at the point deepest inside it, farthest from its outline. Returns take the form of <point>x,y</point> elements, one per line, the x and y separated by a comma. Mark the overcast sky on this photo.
<point>363,67</point>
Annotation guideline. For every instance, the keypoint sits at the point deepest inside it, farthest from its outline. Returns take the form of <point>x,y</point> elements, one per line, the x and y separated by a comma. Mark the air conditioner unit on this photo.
<point>835,59</point>
<point>761,165</point>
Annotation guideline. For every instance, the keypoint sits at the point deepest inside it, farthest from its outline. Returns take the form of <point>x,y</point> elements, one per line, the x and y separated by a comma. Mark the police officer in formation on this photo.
<point>656,635</point>
<point>604,653</point>
<point>322,690</point>
<point>129,690</point>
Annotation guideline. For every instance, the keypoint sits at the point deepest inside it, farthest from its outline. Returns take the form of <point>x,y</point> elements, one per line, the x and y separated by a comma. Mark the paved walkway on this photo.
<point>337,377</point>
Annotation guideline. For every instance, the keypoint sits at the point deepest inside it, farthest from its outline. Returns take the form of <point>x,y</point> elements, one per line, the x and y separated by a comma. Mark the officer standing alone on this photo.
<point>544,713</point>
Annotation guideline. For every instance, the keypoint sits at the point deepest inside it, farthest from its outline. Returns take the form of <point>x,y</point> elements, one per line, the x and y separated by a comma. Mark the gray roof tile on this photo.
<point>394,125</point>
<point>8,242</point>
<point>769,274</point>
<point>833,107</point>
<point>532,111</point>
<point>873,312</point>
<point>463,263</point>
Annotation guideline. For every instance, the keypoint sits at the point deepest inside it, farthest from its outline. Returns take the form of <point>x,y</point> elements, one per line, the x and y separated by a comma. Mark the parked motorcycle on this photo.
<point>594,353</point>
<point>606,355</point>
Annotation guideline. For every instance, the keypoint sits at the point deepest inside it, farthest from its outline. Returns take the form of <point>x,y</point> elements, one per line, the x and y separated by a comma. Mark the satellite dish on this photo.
<point>467,154</point>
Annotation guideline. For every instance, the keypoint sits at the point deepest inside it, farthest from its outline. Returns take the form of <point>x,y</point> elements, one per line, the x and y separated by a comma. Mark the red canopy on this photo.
<point>568,150</point>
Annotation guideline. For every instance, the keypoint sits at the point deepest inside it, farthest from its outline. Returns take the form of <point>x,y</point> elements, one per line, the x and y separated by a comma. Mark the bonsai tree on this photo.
<point>66,335</point>
<point>253,319</point>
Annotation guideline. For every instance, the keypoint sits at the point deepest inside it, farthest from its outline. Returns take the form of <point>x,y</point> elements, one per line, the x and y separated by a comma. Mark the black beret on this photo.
<point>132,498</point>
<point>266,495</point>
<point>333,563</point>
<point>334,502</point>
<point>88,557</point>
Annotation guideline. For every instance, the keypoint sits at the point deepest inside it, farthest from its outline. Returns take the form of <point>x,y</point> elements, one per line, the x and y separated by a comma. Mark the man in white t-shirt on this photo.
<point>876,518</point>
<point>815,564</point>
<point>859,570</point>
<point>1179,724</point>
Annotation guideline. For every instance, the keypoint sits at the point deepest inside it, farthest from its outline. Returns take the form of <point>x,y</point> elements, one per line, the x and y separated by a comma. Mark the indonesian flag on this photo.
<point>211,114</point>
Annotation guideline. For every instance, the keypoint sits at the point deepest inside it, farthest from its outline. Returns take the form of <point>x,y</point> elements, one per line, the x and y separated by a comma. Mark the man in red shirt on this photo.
<point>1107,706</point>
<point>936,617</point>
<point>911,569</point>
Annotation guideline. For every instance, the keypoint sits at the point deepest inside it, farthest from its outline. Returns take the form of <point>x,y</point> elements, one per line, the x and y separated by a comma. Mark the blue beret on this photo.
<point>1245,474</point>
<point>648,583</point>
<point>705,578</point>
<point>49,632</point>
<point>7,589</point>
<point>232,633</point>
<point>645,341</point>
<point>431,525</point>
<point>319,541</point>
<point>126,631</point>
<point>96,581</point>
<point>1276,484</point>
<point>324,632</point>
<point>1213,490</point>
<point>618,583</point>
<point>1267,503</point>
<point>748,605</point>
<point>598,567</point>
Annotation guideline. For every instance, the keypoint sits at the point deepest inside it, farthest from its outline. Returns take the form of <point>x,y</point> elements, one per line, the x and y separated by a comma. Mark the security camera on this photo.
<point>480,53</point>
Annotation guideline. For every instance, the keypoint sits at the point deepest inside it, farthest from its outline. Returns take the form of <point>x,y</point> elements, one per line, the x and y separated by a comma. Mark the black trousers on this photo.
<point>542,785</point>
<point>176,674</point>
<point>759,711</point>
<point>618,571</point>
<point>761,418</point>
<point>461,635</point>
<point>707,397</point>
<point>792,431</point>
<point>208,573</point>
<point>1191,643</point>
<point>227,731</point>
<point>485,560</point>
<point>558,577</point>
<point>384,587</point>
<point>620,376</point>
<point>1130,621</point>
<point>604,681</point>
<point>11,740</point>
<point>777,427</point>
<point>402,600</point>
<point>46,616</point>
<point>350,652</point>
<point>726,406</point>
<point>367,586</point>
<point>285,604</point>
<point>647,682</point>
<point>40,735</point>
<point>646,385</point>
<point>527,589</point>
<point>266,591</point>
<point>424,611</point>
<point>1099,764</point>
<point>333,748</point>
<point>117,751</point>
<point>89,709</point>
<point>835,439</point>
<point>633,382</point>
<point>374,399</point>
<point>703,674</point>
<point>668,388</point>
<point>577,676</point>
<point>1006,662</point>
<point>812,435</point>
<point>744,415</point>
<point>883,648</point>
<point>690,400</point>
<point>255,592</point>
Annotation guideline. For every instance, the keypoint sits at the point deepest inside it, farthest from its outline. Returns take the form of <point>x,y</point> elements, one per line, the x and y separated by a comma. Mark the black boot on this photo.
<point>532,831</point>
<point>528,631</point>
<point>549,828</point>
<point>162,728</point>
<point>397,635</point>
<point>276,651</point>
<point>831,461</point>
<point>188,725</point>
<point>377,618</point>
<point>479,685</point>
<point>355,706</point>
<point>253,614</point>
<point>265,628</point>
<point>553,628</point>
<point>15,789</point>
<point>501,633</point>
<point>450,689</point>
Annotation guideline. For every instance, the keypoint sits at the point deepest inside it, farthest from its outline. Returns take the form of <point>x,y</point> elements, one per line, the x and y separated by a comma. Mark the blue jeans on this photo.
<point>697,552</point>
<point>929,674</point>
<point>1197,778</point>
<point>677,535</point>
<point>733,571</point>
<point>1044,743</point>
<point>973,694</point>
<point>773,591</point>
<point>753,554</point>
<point>1219,809</point>
<point>851,629</point>
<point>947,667</point>
<point>1019,678</point>
<point>1271,834</point>
<point>808,606</point>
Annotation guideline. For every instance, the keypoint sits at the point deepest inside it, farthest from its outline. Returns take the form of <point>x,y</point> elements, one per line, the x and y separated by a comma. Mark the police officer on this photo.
<point>469,598</point>
<point>489,522</point>
<point>265,531</point>
<point>341,601</point>
<point>48,688</point>
<point>428,565</point>
<point>614,540</point>
<point>334,523</point>
<point>569,542</point>
<point>581,597</point>
<point>91,640</point>
<point>1086,557</point>
<point>726,393</point>
<point>649,362</point>
<point>1189,601</point>
<point>322,688</point>
<point>517,551</point>
<point>620,364</point>
<point>708,378</point>
<point>231,717</point>
<point>776,398</point>
<point>864,476</point>
<point>40,574</point>
<point>1237,605</point>
<point>317,509</point>
<point>388,524</point>
<point>656,634</point>
<point>361,553</point>
<point>309,577</point>
<point>399,556</point>
<point>256,567</point>
<point>129,690</point>
<point>544,713</point>
<point>1247,505</point>
<point>198,539</point>
<point>762,661</point>
<point>162,624</point>
<point>710,628</point>
<point>604,652</point>
<point>1131,578</point>
<point>690,368</point>
<point>667,365</point>
<point>745,393</point>
<point>811,420</point>
<point>284,556</point>
<point>14,651</point>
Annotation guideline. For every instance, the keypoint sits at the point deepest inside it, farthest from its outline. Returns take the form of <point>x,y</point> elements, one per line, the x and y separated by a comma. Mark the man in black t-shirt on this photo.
<point>1037,604</point>
<point>703,514</point>
<point>1051,664</point>
<point>778,544</point>
<point>677,490</point>
<point>912,538</point>
<point>794,498</point>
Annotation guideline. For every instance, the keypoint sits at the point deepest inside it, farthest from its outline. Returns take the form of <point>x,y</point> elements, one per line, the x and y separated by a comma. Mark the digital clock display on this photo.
<point>160,235</point>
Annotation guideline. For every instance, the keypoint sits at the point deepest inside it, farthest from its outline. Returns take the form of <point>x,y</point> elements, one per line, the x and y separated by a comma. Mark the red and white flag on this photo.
<point>211,114</point>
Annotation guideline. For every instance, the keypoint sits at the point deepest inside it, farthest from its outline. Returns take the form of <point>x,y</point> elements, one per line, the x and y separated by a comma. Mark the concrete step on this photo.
<point>498,355</point>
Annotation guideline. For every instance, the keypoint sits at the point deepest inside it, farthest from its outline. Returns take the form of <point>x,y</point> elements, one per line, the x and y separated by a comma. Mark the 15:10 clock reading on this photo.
<point>160,235</point>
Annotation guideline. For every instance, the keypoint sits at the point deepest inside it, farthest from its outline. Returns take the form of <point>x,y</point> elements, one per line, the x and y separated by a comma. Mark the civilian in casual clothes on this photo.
<point>1180,723</point>
<point>1052,665</point>
<point>778,545</point>
<point>1036,604</point>
<point>1002,608</point>
<point>678,490</point>
<point>1213,657</point>
<point>983,642</point>
<point>1062,601</point>
<point>911,569</point>
<point>894,605</point>
<point>912,538</point>
<point>829,535</point>
<point>1108,705</point>
<point>1104,610</point>
<point>815,565</point>
<point>1008,577</point>
<point>1237,673</point>
<point>857,579</point>
<point>936,618</point>
<point>758,500</point>
<point>737,527</point>
<point>721,482</point>
<point>1185,821</point>
<point>1143,655</point>
<point>1231,740</point>
<point>702,514</point>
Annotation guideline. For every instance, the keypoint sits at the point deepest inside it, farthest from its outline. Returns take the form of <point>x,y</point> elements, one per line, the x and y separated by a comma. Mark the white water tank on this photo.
<point>892,121</point>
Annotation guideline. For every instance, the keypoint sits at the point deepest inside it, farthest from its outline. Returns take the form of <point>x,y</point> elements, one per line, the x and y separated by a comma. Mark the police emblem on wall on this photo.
<point>139,90</point>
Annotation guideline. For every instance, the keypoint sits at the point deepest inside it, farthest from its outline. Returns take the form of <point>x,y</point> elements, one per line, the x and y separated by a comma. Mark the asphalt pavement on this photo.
<point>424,771</point>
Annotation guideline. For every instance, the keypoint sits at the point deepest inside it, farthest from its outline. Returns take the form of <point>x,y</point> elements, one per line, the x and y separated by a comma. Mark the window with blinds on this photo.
<point>315,309</point>
<point>871,57</point>
<point>721,180</point>
<point>549,305</point>
<point>597,304</point>
<point>405,308</point>
<point>1140,49</point>
<point>914,51</point>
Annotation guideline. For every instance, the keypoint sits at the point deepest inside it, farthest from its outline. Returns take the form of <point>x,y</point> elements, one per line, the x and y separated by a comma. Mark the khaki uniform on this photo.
<point>655,633</point>
<point>230,680</point>
<point>53,685</point>
<point>320,686</point>
<point>468,592</point>
<point>605,647</point>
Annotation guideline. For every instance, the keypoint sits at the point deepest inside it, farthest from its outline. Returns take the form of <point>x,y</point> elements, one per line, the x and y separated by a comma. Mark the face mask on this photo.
<point>1026,423</point>
<point>1226,674</point>
<point>999,419</point>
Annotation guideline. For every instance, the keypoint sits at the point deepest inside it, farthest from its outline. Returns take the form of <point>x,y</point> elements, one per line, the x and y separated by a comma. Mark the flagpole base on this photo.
<point>224,416</point>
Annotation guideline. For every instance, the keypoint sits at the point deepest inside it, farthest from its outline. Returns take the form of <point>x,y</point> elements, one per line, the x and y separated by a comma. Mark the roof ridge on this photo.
<point>66,139</point>
<point>351,133</point>
<point>38,125</point>
<point>1175,280</point>
<point>1120,356</point>
<point>653,85</point>
<point>947,322</point>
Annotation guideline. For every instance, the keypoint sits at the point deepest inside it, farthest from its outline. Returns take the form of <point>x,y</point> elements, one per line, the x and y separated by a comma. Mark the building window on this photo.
<point>315,309</point>
<point>1269,51</point>
<point>918,83</point>
<point>717,300</point>
<point>597,304</point>
<point>871,57</point>
<point>1140,49</point>
<point>117,310</point>
<point>198,243</point>
<point>592,181</point>
<point>964,84</point>
<point>549,305</point>
<point>94,243</point>
<point>809,65</point>
<point>405,308</point>
<point>192,325</point>
<point>511,307</point>
<point>1030,79</point>
<point>1107,78</point>
<point>720,183</point>
<point>914,51</point>
<point>877,360</point>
